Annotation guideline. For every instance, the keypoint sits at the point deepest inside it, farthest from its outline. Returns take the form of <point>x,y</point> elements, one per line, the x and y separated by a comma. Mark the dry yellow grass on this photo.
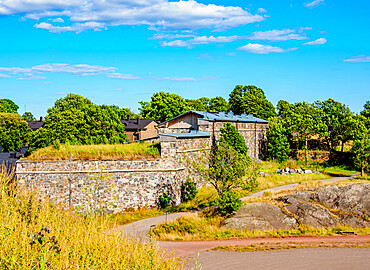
<point>133,151</point>
<point>67,240</point>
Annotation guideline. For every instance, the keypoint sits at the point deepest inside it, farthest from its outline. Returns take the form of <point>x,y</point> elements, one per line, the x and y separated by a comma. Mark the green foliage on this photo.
<point>366,111</point>
<point>188,190</point>
<point>228,202</point>
<point>8,106</point>
<point>163,106</point>
<point>164,201</point>
<point>216,104</point>
<point>13,131</point>
<point>278,144</point>
<point>337,119</point>
<point>361,144</point>
<point>28,116</point>
<point>251,100</point>
<point>231,136</point>
<point>76,120</point>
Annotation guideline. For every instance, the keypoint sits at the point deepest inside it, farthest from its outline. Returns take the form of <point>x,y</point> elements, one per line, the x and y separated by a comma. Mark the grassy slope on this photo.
<point>84,242</point>
<point>131,151</point>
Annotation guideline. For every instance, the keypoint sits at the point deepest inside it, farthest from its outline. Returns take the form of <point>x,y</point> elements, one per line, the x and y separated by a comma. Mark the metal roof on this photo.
<point>191,134</point>
<point>222,116</point>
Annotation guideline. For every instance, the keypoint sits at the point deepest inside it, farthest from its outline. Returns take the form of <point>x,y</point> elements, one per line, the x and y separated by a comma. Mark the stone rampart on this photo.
<point>119,184</point>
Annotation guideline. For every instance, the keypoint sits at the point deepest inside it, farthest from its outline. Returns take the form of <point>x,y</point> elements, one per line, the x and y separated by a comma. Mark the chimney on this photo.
<point>40,118</point>
<point>138,120</point>
<point>128,117</point>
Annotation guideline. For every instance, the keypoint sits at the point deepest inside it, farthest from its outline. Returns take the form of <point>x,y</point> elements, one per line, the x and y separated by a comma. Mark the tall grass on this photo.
<point>38,234</point>
<point>131,151</point>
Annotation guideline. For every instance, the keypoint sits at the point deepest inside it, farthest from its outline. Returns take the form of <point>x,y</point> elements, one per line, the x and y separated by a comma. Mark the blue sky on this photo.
<point>122,51</point>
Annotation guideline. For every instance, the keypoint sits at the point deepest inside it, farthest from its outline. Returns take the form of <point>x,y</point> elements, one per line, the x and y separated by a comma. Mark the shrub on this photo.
<point>228,202</point>
<point>188,190</point>
<point>164,200</point>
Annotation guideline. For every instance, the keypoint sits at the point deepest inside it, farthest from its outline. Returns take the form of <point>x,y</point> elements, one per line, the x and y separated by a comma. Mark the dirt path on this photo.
<point>189,248</point>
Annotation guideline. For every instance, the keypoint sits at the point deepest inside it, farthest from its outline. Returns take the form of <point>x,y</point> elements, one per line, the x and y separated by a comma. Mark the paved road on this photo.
<point>276,189</point>
<point>313,258</point>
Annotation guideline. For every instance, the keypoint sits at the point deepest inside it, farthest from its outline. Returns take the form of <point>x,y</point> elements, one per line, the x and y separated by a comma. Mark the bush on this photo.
<point>164,201</point>
<point>228,202</point>
<point>188,190</point>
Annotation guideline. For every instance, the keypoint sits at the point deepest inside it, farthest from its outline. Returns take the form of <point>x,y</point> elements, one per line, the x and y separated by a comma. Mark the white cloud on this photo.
<point>185,79</point>
<point>4,76</point>
<point>277,35</point>
<point>170,36</point>
<point>77,27</point>
<point>314,3</point>
<point>82,70</point>
<point>319,41</point>
<point>59,20</point>
<point>358,59</point>
<point>157,14</point>
<point>122,76</point>
<point>200,40</point>
<point>231,54</point>
<point>205,56</point>
<point>262,10</point>
<point>264,49</point>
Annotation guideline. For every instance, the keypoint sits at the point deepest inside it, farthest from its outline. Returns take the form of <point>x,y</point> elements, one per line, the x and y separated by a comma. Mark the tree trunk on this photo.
<point>342,147</point>
<point>306,150</point>
<point>362,169</point>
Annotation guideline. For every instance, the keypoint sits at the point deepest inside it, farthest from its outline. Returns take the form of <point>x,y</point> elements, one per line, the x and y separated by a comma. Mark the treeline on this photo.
<point>322,125</point>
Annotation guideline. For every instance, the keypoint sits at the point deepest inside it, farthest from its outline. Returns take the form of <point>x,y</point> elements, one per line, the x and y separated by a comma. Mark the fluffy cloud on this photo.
<point>319,41</point>
<point>277,35</point>
<point>314,3</point>
<point>262,10</point>
<point>36,72</point>
<point>77,27</point>
<point>263,49</point>
<point>157,14</point>
<point>358,59</point>
<point>200,40</point>
<point>4,76</point>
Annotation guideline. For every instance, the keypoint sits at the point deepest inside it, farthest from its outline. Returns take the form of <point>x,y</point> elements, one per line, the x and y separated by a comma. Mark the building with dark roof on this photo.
<point>36,124</point>
<point>193,128</point>
<point>139,129</point>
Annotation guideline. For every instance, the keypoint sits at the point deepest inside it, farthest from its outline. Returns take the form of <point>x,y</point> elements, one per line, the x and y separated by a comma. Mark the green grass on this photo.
<point>198,226</point>
<point>133,151</point>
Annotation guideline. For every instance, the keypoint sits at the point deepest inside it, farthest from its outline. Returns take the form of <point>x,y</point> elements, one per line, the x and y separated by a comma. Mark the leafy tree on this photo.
<point>163,106</point>
<point>218,104</point>
<point>228,202</point>
<point>28,116</point>
<point>8,106</point>
<point>278,140</point>
<point>283,107</point>
<point>337,119</point>
<point>231,136</point>
<point>76,120</point>
<point>361,143</point>
<point>251,100</point>
<point>14,131</point>
<point>200,104</point>
<point>366,111</point>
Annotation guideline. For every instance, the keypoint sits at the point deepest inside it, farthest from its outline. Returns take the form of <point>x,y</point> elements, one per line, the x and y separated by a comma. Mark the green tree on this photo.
<point>163,106</point>
<point>278,140</point>
<point>28,116</point>
<point>200,104</point>
<point>361,143</point>
<point>366,111</point>
<point>14,131</point>
<point>337,119</point>
<point>76,120</point>
<point>8,106</point>
<point>231,136</point>
<point>218,104</point>
<point>251,100</point>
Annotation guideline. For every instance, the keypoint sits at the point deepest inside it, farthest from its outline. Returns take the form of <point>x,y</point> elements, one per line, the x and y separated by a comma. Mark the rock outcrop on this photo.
<point>329,206</point>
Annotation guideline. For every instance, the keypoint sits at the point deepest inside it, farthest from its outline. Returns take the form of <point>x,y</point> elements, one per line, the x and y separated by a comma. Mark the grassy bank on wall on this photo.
<point>132,151</point>
<point>37,234</point>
